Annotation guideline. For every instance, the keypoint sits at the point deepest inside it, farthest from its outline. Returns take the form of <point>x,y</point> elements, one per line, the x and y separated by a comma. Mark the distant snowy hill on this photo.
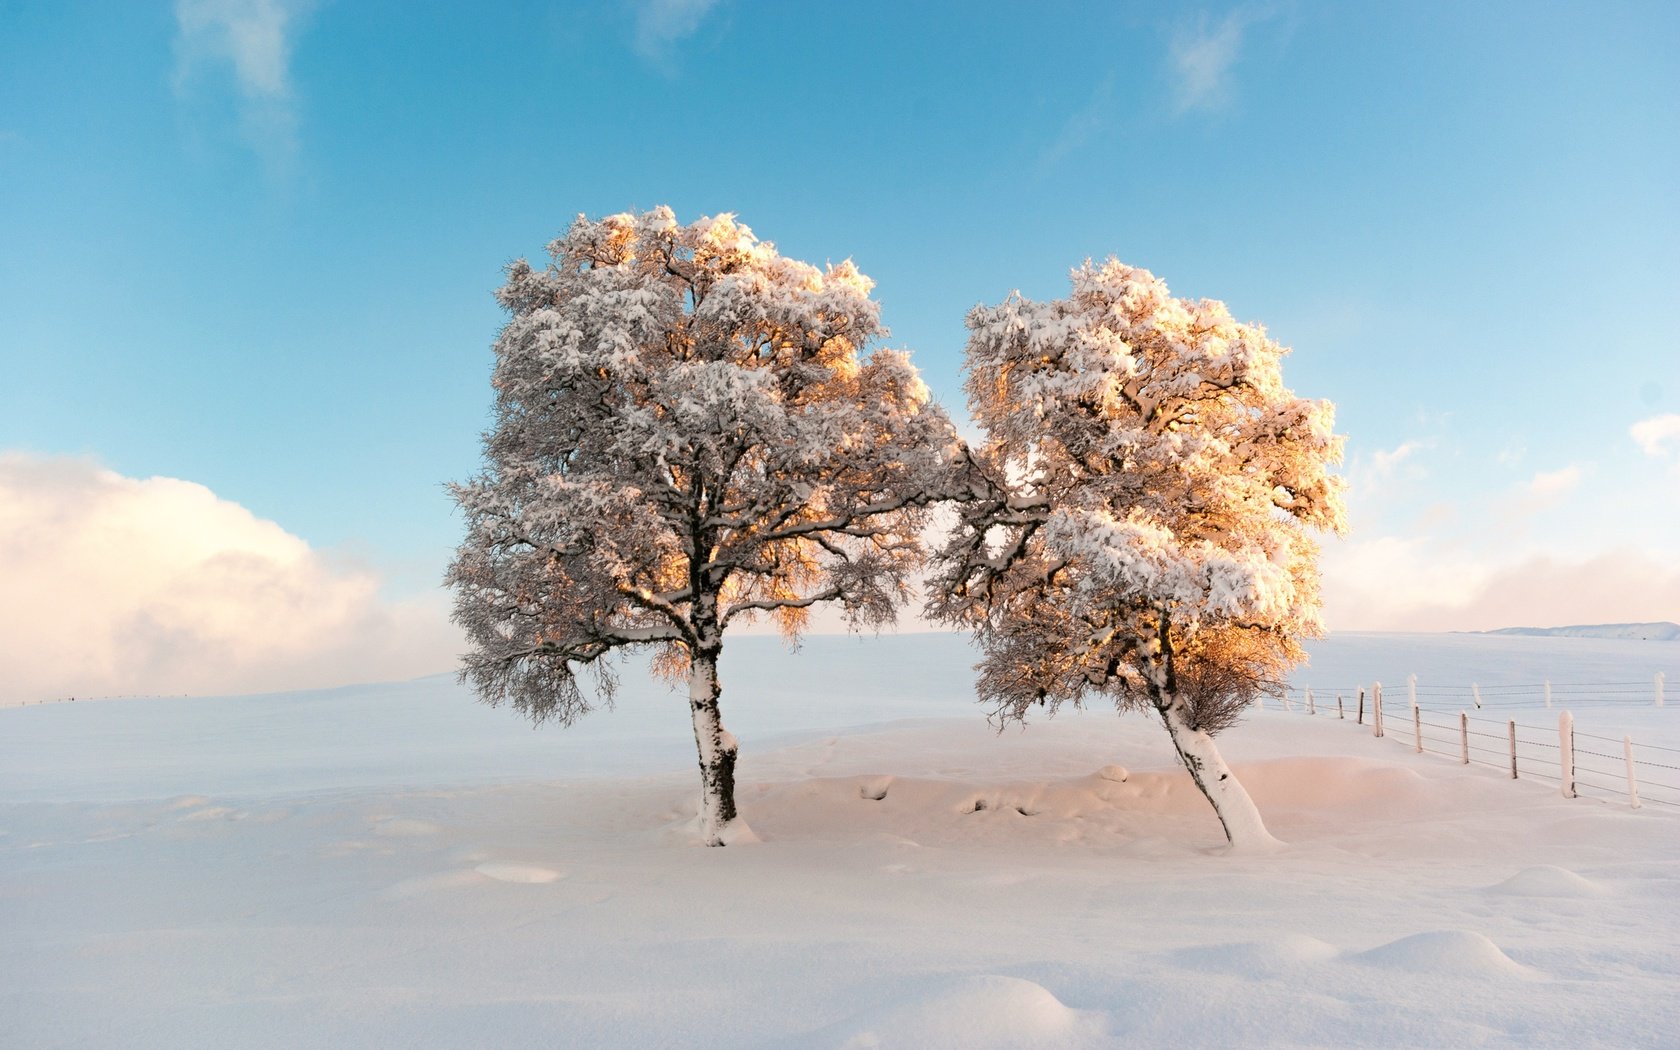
<point>1661,632</point>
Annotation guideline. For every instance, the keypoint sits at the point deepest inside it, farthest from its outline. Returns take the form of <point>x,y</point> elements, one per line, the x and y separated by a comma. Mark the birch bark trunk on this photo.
<point>720,823</point>
<point>1238,815</point>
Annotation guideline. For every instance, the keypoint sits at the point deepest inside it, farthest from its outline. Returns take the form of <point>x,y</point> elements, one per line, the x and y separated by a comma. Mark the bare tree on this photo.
<point>1136,524</point>
<point>686,435</point>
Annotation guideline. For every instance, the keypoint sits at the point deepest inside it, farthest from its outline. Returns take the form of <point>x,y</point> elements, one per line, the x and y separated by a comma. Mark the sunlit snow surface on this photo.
<point>396,866</point>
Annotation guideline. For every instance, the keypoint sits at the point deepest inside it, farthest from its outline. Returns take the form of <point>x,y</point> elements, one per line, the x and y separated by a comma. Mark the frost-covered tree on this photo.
<point>686,436</point>
<point>1137,524</point>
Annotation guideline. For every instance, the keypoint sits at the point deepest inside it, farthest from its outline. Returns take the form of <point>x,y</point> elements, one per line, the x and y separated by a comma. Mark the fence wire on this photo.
<point>1599,766</point>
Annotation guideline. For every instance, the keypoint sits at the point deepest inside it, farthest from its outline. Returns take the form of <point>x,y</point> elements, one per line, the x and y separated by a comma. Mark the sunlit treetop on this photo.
<point>1173,464</point>
<point>1139,521</point>
<point>688,433</point>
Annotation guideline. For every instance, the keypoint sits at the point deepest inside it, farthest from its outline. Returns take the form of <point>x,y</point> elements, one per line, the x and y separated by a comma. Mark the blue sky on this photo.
<point>250,244</point>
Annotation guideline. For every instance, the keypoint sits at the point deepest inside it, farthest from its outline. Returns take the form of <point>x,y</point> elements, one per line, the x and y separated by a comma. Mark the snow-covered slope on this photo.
<point>1662,631</point>
<point>398,866</point>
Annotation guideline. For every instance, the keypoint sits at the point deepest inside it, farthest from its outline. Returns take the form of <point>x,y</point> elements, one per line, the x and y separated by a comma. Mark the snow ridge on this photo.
<point>1660,631</point>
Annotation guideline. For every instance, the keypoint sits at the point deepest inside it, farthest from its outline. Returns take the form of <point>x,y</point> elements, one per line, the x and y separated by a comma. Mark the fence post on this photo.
<point>1361,719</point>
<point>1548,694</point>
<point>1476,695</point>
<point>1512,727</point>
<point>1411,689</point>
<point>1341,712</point>
<point>1310,709</point>
<point>1417,728</point>
<point>1463,738</point>
<point>1376,709</point>
<point>1633,781</point>
<point>1659,685</point>
<point>1566,752</point>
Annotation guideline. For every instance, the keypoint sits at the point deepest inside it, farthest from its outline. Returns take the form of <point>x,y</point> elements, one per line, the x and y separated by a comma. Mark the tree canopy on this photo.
<point>687,434</point>
<point>1138,523</point>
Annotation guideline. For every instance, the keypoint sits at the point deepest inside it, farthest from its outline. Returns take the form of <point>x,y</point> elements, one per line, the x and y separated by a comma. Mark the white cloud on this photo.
<point>1549,484</point>
<point>1203,56</point>
<point>1385,478</point>
<point>1384,461</point>
<point>1390,584</point>
<point>116,585</point>
<point>1654,434</point>
<point>661,24</point>
<point>253,40</point>
<point>1377,584</point>
<point>1079,129</point>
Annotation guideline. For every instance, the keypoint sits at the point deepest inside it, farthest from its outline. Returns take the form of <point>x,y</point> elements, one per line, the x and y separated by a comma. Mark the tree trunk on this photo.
<point>719,822</point>
<point>1236,811</point>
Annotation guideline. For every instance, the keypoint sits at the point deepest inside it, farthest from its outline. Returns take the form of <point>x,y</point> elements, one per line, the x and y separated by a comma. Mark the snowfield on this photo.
<point>397,866</point>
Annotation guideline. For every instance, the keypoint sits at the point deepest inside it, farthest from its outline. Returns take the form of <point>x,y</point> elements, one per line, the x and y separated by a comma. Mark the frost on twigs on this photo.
<point>1138,523</point>
<point>687,433</point>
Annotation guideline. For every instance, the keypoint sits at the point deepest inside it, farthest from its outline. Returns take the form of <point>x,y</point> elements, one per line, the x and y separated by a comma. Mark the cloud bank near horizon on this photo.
<point>1394,584</point>
<point>111,585</point>
<point>1550,550</point>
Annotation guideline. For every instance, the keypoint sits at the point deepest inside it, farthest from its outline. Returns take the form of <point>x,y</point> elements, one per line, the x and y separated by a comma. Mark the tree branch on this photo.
<point>772,604</point>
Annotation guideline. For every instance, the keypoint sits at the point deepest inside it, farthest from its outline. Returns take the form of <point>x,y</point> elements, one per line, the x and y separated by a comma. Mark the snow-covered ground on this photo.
<point>396,866</point>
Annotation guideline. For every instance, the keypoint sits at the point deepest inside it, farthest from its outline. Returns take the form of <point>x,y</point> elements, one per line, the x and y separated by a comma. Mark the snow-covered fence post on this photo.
<point>1361,719</point>
<point>1511,727</point>
<point>1310,709</point>
<point>1341,712</point>
<point>1463,738</point>
<point>1566,752</point>
<point>1633,780</point>
<point>1411,689</point>
<point>1548,688</point>
<point>1376,709</point>
<point>1417,728</point>
<point>1476,695</point>
<point>1658,681</point>
<point>1287,706</point>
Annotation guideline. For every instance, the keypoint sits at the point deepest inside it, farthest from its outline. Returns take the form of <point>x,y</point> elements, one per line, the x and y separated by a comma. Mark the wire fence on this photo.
<point>73,699</point>
<point>1436,721</point>
<point>1548,694</point>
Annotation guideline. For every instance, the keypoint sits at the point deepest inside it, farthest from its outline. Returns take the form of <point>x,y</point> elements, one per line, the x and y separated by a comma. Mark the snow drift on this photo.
<point>397,866</point>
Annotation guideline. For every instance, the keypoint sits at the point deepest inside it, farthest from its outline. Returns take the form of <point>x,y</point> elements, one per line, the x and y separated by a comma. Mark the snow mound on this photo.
<point>684,829</point>
<point>971,1013</point>
<point>1333,783</point>
<point>737,834</point>
<point>526,873</point>
<point>1258,957</point>
<point>1546,880</point>
<point>1454,953</point>
<point>1110,807</point>
<point>405,829</point>
<point>874,789</point>
<point>213,813</point>
<point>425,885</point>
